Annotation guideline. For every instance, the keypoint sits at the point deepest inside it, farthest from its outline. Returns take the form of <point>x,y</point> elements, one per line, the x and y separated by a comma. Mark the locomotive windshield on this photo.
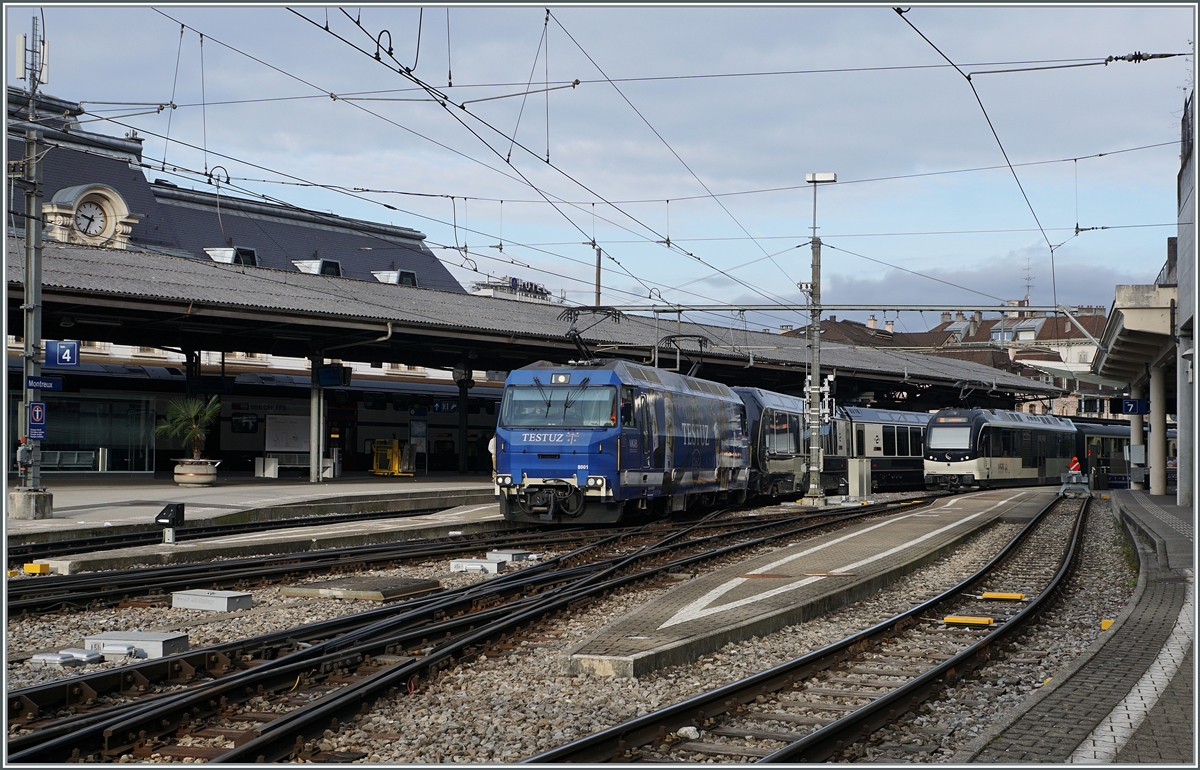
<point>941,437</point>
<point>544,406</point>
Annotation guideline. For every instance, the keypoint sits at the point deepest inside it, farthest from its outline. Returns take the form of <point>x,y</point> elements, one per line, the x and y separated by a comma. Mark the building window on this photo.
<point>246,257</point>
<point>1083,356</point>
<point>408,278</point>
<point>331,267</point>
<point>1002,335</point>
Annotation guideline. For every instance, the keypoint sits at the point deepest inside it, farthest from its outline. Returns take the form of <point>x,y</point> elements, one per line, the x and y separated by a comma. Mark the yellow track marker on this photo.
<point>966,620</point>
<point>12,573</point>
<point>37,569</point>
<point>1105,624</point>
<point>1002,595</point>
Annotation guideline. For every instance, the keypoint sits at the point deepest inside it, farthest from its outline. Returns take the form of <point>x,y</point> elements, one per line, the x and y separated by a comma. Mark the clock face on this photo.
<point>89,218</point>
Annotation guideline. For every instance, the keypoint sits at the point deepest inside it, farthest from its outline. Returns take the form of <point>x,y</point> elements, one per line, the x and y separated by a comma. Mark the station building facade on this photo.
<point>103,419</point>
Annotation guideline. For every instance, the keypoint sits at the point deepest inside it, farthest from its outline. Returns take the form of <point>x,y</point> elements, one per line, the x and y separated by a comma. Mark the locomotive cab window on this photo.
<point>945,437</point>
<point>542,406</point>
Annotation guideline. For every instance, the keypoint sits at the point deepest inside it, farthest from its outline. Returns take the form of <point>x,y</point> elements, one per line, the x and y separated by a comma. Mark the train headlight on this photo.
<point>504,481</point>
<point>595,482</point>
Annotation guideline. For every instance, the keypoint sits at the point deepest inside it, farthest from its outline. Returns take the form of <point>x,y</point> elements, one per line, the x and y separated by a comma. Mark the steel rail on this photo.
<point>93,735</point>
<point>603,745</point>
<point>53,548</point>
<point>46,594</point>
<point>385,631</point>
<point>821,744</point>
<point>285,737</point>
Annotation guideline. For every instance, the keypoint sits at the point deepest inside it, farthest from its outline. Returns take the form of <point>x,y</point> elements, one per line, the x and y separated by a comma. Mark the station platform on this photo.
<point>792,584</point>
<point>107,504</point>
<point>1129,698</point>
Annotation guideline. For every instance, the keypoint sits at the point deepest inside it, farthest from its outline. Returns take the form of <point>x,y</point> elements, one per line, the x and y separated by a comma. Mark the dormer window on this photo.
<point>401,277</point>
<point>319,266</point>
<point>233,256</point>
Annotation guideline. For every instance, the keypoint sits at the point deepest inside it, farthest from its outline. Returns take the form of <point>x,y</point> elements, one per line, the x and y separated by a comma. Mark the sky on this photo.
<point>693,125</point>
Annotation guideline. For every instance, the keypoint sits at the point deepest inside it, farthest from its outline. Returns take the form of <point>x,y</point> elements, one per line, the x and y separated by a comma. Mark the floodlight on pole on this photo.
<point>815,495</point>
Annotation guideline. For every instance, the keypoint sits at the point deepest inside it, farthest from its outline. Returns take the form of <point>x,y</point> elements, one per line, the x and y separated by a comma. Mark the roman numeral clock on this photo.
<point>93,215</point>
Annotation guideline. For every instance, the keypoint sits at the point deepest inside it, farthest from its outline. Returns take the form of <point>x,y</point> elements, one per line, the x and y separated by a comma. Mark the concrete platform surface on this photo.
<point>791,585</point>
<point>96,504</point>
<point>466,519</point>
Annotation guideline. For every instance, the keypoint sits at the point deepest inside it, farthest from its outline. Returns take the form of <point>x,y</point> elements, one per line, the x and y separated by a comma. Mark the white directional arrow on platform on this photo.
<point>702,607</point>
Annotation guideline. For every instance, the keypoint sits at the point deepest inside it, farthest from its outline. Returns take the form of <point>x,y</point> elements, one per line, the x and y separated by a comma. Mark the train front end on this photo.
<point>951,458</point>
<point>557,446</point>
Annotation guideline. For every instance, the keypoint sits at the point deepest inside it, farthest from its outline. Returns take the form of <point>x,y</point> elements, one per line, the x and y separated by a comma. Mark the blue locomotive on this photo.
<point>586,442</point>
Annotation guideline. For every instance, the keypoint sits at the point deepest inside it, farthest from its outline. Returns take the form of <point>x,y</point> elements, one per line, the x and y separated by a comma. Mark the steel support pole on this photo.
<point>1156,455</point>
<point>597,276</point>
<point>463,385</point>
<point>815,494</point>
<point>33,296</point>
<point>315,426</point>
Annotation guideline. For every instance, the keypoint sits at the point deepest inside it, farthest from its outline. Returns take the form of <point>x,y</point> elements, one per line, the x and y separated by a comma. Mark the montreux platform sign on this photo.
<point>43,383</point>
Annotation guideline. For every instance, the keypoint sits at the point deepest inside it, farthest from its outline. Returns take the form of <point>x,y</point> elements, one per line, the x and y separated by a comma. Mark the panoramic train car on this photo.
<point>1104,448</point>
<point>778,457</point>
<point>893,440</point>
<point>985,448</point>
<point>584,443</point>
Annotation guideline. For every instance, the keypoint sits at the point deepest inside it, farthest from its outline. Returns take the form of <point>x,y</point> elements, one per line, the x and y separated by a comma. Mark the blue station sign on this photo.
<point>64,353</point>
<point>44,383</point>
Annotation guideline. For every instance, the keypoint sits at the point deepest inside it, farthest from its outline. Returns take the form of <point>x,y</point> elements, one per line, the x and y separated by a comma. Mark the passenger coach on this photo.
<point>986,448</point>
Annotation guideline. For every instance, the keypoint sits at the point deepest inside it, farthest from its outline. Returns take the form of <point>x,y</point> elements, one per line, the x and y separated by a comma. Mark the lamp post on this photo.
<point>815,494</point>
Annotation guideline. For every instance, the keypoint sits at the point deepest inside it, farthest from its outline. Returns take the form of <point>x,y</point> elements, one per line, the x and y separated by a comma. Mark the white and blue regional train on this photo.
<point>986,448</point>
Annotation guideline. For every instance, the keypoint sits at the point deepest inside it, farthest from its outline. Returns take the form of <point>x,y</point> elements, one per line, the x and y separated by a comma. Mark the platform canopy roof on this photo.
<point>155,300</point>
<point>1139,334</point>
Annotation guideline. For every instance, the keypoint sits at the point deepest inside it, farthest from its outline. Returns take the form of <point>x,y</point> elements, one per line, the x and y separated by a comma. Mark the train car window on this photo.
<point>1027,460</point>
<point>627,397</point>
<point>916,437</point>
<point>901,441</point>
<point>793,434</point>
<point>243,423</point>
<point>1006,443</point>
<point>860,442</point>
<point>985,442</point>
<point>889,440</point>
<point>374,401</point>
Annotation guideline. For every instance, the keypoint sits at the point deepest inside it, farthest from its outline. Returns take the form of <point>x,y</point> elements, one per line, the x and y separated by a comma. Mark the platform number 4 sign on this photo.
<point>62,353</point>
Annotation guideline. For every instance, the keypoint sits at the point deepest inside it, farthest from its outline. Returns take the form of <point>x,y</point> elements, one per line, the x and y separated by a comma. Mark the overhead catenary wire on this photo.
<point>996,136</point>
<point>443,100</point>
<point>174,83</point>
<point>667,144</point>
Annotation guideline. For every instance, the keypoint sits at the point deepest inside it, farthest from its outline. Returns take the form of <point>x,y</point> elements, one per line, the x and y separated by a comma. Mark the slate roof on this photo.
<point>155,276</point>
<point>176,219</point>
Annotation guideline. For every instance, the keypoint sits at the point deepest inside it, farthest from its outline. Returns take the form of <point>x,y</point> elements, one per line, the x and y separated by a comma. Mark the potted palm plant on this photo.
<point>188,421</point>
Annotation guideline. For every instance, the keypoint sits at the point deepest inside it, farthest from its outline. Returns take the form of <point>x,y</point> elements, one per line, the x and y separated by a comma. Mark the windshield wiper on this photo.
<point>542,392</point>
<point>573,395</point>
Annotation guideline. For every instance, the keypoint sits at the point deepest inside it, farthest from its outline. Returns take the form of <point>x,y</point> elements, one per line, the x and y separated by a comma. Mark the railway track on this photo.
<point>56,548</point>
<point>271,695</point>
<point>812,708</point>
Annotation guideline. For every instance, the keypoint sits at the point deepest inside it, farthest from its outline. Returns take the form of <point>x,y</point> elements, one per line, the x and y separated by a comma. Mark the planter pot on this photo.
<point>195,473</point>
